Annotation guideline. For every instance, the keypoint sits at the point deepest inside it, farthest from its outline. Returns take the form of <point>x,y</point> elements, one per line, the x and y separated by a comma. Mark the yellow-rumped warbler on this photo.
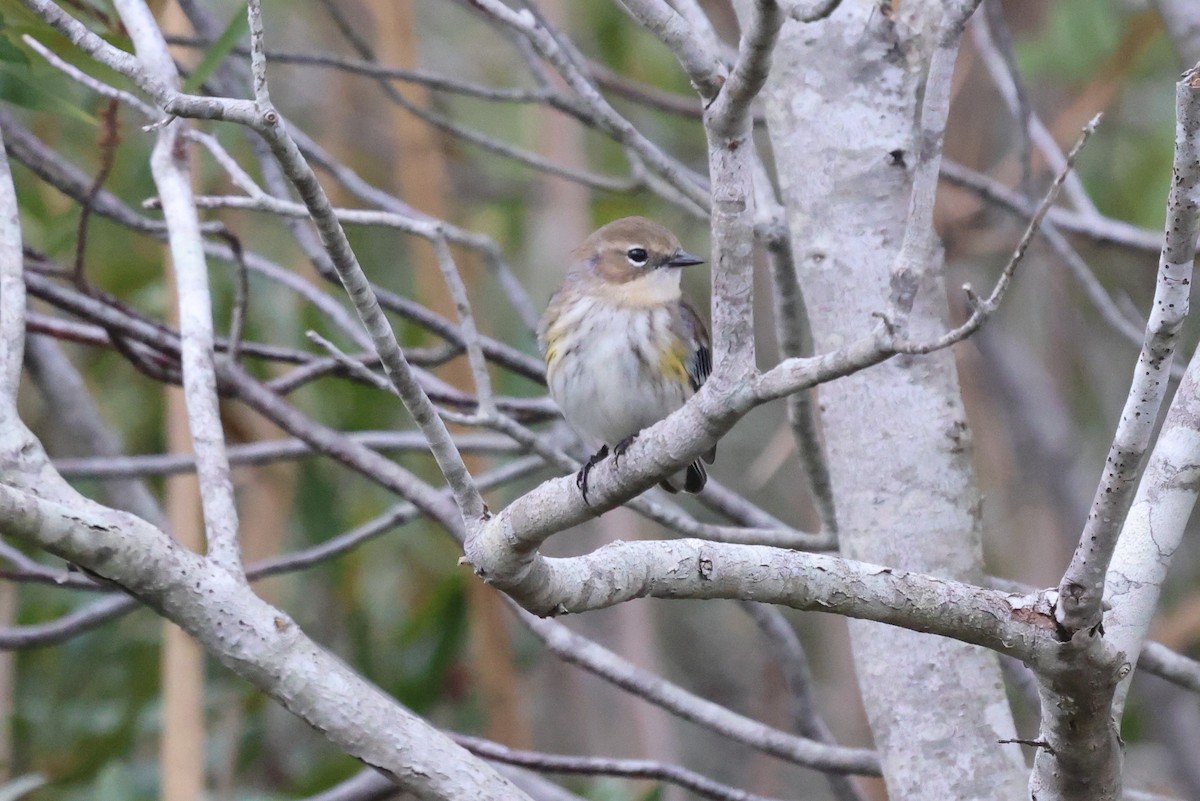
<point>623,347</point>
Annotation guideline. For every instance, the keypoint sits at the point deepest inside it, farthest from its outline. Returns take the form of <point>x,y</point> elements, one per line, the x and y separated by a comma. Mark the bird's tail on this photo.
<point>693,479</point>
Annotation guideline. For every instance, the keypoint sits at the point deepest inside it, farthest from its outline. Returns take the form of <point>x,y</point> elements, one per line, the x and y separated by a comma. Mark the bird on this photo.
<point>623,347</point>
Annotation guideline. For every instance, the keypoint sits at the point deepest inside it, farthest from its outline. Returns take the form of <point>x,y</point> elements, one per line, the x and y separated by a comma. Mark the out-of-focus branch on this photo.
<point>616,670</point>
<point>367,785</point>
<point>793,333</point>
<point>1176,668</point>
<point>795,341</point>
<point>983,308</point>
<point>74,411</point>
<point>1181,21</point>
<point>72,624</point>
<point>1105,306</point>
<point>1102,230</point>
<point>793,664</point>
<point>371,69</point>
<point>1082,586</point>
<point>399,515</point>
<point>1002,69</point>
<point>601,766</point>
<point>606,118</point>
<point>116,468</point>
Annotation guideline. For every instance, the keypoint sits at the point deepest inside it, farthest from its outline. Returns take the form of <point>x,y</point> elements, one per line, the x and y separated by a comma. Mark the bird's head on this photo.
<point>633,250</point>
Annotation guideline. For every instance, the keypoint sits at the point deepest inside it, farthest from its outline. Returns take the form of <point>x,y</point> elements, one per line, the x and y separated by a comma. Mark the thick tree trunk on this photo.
<point>843,105</point>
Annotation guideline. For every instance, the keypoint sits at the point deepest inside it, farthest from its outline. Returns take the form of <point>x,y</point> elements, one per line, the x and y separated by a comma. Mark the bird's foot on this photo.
<point>620,448</point>
<point>581,478</point>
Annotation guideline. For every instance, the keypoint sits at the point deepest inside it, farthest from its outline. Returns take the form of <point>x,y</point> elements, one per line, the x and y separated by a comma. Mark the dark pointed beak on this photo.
<point>682,258</point>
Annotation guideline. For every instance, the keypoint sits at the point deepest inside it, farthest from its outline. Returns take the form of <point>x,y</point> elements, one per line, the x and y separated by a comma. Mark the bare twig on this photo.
<point>1082,586</point>
<point>241,297</point>
<point>172,176</point>
<point>266,452</point>
<point>611,667</point>
<point>606,118</point>
<point>466,321</point>
<point>72,624</point>
<point>1002,70</point>
<point>267,122</point>
<point>919,244</point>
<point>985,307</point>
<point>789,654</point>
<point>1175,668</point>
<point>994,41</point>
<point>107,145</point>
<point>599,766</point>
<point>12,289</point>
<point>795,340</point>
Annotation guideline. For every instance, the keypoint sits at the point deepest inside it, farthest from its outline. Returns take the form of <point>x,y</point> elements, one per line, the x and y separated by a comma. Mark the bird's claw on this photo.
<point>620,448</point>
<point>581,478</point>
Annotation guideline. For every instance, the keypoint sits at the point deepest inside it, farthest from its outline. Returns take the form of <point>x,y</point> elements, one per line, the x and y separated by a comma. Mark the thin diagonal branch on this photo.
<point>269,124</point>
<point>601,766</point>
<point>1082,587</point>
<point>600,661</point>
<point>793,663</point>
<point>985,307</point>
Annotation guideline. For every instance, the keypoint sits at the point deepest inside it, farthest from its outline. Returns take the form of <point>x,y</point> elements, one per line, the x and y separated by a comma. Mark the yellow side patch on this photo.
<point>672,366</point>
<point>553,338</point>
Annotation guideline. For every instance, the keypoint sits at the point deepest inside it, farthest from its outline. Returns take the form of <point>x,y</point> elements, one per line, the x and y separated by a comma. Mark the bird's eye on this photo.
<point>637,256</point>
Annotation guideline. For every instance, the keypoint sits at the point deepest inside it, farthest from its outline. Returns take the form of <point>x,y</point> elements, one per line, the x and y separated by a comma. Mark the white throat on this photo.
<point>653,289</point>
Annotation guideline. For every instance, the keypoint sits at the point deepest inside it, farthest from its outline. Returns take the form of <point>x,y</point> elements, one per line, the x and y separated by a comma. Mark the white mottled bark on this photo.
<point>1155,525</point>
<point>842,107</point>
<point>247,635</point>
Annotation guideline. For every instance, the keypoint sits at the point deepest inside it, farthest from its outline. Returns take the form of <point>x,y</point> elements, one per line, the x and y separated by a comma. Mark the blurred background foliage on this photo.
<point>87,714</point>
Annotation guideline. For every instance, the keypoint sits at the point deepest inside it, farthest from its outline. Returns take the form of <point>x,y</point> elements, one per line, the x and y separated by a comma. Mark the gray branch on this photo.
<point>172,176</point>
<point>1082,586</point>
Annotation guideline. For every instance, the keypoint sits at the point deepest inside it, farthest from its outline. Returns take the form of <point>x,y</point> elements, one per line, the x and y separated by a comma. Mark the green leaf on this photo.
<point>115,783</point>
<point>15,89</point>
<point>218,50</point>
<point>11,53</point>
